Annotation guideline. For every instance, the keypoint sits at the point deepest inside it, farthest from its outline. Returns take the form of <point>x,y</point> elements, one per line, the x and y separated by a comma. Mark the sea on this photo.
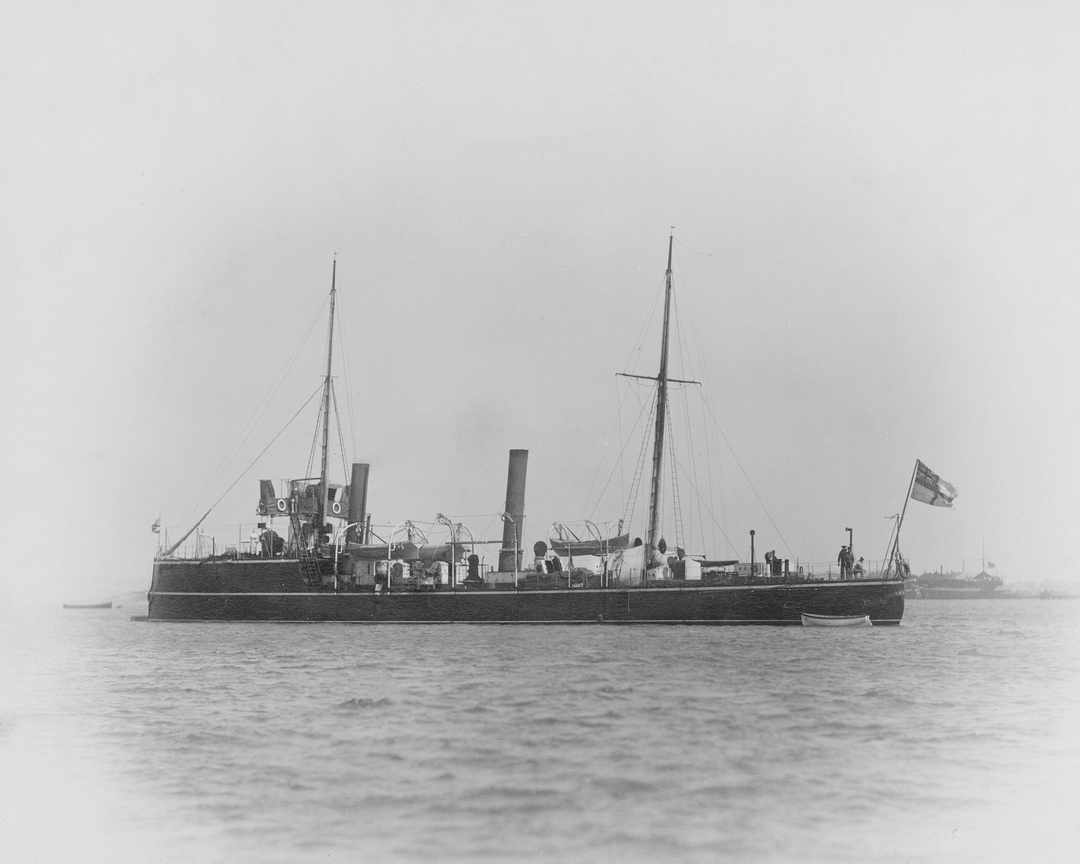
<point>954,737</point>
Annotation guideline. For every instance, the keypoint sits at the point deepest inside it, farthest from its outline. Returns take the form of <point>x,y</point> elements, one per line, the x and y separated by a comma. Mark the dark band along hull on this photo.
<point>273,591</point>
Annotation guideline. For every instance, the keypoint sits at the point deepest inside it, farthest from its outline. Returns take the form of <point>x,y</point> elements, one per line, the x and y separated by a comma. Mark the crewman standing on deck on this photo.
<point>845,560</point>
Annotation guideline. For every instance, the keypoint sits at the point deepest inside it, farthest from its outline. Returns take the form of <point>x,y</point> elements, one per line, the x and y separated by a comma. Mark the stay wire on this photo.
<point>599,467</point>
<point>347,365</point>
<point>267,447</point>
<point>756,495</point>
<point>260,409</point>
<point>619,460</point>
<point>341,437</point>
<point>710,444</point>
<point>703,504</point>
<point>635,354</point>
<point>314,441</point>
<point>732,449</point>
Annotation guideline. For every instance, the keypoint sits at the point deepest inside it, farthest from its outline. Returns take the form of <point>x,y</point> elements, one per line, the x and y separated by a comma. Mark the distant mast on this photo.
<point>324,490</point>
<point>661,416</point>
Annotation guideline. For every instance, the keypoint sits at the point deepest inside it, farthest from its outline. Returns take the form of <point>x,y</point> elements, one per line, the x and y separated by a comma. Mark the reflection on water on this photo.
<point>955,737</point>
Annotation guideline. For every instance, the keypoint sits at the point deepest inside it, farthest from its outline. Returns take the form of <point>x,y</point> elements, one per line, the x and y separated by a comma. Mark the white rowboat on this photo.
<point>836,620</point>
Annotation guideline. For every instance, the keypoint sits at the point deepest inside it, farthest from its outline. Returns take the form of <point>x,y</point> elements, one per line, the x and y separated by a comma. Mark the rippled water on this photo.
<point>955,737</point>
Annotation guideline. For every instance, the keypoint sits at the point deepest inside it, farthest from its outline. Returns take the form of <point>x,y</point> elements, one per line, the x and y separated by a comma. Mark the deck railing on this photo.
<point>244,543</point>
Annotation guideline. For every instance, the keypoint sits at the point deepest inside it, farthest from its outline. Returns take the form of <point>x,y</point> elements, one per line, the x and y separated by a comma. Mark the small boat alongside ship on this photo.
<point>836,620</point>
<point>327,564</point>
<point>107,605</point>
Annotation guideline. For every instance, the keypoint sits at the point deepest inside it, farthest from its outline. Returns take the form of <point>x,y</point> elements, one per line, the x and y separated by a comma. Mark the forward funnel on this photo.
<point>514,521</point>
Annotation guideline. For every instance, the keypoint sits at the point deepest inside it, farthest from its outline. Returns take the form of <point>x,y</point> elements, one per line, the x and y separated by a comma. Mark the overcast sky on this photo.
<point>876,207</point>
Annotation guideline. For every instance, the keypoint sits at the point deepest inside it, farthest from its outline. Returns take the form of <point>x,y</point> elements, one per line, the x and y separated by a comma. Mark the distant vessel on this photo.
<point>958,586</point>
<point>88,605</point>
<point>322,571</point>
<point>955,586</point>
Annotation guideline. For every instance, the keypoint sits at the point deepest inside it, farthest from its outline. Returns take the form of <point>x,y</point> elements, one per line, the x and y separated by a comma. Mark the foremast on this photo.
<point>324,488</point>
<point>661,417</point>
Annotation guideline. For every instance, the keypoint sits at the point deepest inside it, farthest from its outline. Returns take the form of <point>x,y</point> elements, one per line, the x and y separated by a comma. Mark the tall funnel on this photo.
<point>358,502</point>
<point>515,510</point>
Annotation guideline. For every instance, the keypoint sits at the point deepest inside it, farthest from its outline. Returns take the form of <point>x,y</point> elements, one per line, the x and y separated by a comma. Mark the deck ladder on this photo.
<point>309,563</point>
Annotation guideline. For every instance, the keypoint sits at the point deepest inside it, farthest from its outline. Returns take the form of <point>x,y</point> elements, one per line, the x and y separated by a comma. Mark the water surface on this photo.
<point>955,737</point>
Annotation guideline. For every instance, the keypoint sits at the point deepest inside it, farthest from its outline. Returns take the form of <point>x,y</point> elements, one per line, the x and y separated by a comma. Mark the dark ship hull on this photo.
<point>261,590</point>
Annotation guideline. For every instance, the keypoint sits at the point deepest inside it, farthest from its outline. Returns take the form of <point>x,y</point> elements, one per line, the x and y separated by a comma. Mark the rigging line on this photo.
<point>267,447</point>
<point>600,464</point>
<point>747,476</point>
<point>719,471</point>
<point>630,498</point>
<point>693,467</point>
<point>679,359</point>
<point>487,527</point>
<point>314,441</point>
<point>892,532</point>
<point>699,344</point>
<point>341,438</point>
<point>635,353</point>
<point>675,500</point>
<point>639,469</point>
<point>708,408</point>
<point>696,342</point>
<point>697,251</point>
<point>727,539</point>
<point>347,362</point>
<point>687,367</point>
<point>684,366</point>
<point>642,404</point>
<point>260,409</point>
<point>618,463</point>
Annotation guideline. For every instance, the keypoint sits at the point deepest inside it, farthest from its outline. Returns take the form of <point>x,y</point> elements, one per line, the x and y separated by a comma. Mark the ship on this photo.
<point>955,586</point>
<point>958,586</point>
<point>318,558</point>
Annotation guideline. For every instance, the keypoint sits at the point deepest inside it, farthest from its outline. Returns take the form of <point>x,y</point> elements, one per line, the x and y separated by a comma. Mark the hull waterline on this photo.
<point>273,591</point>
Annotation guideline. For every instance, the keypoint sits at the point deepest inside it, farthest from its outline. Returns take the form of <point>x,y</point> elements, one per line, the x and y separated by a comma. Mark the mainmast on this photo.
<point>661,417</point>
<point>324,498</point>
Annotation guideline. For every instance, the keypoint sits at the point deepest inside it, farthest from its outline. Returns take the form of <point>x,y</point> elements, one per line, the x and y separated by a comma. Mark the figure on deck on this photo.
<point>844,559</point>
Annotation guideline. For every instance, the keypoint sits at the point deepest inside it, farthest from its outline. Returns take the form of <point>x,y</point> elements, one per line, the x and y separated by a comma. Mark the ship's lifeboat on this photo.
<point>836,620</point>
